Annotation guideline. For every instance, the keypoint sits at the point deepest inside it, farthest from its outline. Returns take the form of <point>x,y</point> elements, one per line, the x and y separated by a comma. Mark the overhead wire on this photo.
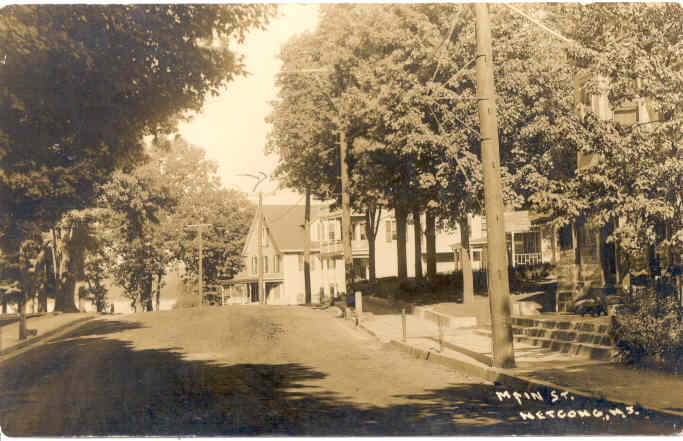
<point>282,216</point>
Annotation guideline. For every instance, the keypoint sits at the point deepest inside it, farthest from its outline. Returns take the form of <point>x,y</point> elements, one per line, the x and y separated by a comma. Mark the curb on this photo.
<point>43,337</point>
<point>502,376</point>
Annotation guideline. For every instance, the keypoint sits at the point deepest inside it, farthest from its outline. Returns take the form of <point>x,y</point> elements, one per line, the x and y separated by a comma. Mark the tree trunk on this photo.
<point>417,229</point>
<point>22,316</point>
<point>64,301</point>
<point>467,282</point>
<point>431,245</point>
<point>147,304</point>
<point>307,249</point>
<point>371,233</point>
<point>401,220</point>
<point>65,284</point>
<point>42,298</point>
<point>4,303</point>
<point>159,276</point>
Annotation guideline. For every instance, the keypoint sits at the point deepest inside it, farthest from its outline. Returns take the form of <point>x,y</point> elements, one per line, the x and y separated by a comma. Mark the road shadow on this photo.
<point>94,384</point>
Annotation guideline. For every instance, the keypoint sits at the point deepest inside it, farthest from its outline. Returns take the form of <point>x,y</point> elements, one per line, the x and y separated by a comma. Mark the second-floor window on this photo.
<point>254,265</point>
<point>265,264</point>
<point>390,230</point>
<point>276,263</point>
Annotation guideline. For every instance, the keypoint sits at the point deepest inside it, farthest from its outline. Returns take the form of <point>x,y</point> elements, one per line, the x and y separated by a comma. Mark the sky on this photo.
<point>231,127</point>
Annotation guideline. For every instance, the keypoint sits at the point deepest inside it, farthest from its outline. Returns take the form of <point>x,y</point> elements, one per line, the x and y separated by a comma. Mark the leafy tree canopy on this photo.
<point>80,85</point>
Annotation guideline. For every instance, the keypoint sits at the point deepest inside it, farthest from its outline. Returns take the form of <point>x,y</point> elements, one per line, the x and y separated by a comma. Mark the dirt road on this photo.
<point>264,370</point>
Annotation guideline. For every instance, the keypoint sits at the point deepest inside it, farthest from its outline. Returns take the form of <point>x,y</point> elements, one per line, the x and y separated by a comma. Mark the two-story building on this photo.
<point>586,261</point>
<point>283,252</point>
<point>528,243</point>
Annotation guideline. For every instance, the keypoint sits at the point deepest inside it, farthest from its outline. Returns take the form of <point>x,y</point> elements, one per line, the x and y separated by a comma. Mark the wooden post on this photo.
<point>403,324</point>
<point>499,288</point>
<point>359,302</point>
<point>261,283</point>
<point>346,213</point>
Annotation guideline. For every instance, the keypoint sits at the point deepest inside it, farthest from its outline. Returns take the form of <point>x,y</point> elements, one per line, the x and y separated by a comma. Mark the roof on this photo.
<point>286,224</point>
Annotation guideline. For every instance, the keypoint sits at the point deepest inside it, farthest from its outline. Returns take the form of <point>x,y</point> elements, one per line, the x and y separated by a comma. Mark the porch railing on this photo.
<point>528,259</point>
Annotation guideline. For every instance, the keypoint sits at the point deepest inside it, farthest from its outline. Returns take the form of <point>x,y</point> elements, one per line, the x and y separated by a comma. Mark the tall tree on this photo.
<point>124,71</point>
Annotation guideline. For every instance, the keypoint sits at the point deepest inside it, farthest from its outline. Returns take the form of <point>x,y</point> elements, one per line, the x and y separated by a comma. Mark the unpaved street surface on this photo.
<point>265,370</point>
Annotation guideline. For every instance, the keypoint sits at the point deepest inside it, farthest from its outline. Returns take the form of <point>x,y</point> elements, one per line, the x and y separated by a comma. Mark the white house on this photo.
<point>527,243</point>
<point>283,252</point>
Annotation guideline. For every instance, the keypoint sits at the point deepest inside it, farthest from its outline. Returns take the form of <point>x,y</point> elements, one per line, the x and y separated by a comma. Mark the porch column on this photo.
<point>513,263</point>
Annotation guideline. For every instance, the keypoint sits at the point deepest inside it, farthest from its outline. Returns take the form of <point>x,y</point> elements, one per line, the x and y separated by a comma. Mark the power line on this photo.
<point>539,24</point>
<point>288,211</point>
<point>448,38</point>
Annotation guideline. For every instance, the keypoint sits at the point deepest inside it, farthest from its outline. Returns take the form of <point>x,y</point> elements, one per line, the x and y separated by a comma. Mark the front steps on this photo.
<point>584,338</point>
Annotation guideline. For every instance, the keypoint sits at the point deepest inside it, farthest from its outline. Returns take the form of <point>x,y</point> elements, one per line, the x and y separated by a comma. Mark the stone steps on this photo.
<point>585,339</point>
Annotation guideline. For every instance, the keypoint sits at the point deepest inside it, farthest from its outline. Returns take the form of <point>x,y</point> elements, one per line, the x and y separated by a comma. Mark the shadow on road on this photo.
<point>91,385</point>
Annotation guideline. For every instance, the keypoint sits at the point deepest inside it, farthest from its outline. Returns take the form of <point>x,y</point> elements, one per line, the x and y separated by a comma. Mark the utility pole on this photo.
<point>346,212</point>
<point>345,197</point>
<point>200,229</point>
<point>499,288</point>
<point>261,282</point>
<point>260,219</point>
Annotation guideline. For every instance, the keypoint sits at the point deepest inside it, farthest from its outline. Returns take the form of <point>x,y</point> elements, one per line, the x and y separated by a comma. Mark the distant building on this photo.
<point>283,251</point>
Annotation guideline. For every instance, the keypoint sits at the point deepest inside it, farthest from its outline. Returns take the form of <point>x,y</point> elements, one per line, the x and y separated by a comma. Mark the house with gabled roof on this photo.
<point>283,241</point>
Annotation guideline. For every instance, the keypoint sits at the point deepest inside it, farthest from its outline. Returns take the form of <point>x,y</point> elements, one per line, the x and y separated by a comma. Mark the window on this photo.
<point>265,264</point>
<point>276,263</point>
<point>565,238</point>
<point>254,265</point>
<point>330,230</point>
<point>319,231</point>
<point>476,256</point>
<point>333,263</point>
<point>390,232</point>
<point>527,243</point>
<point>626,115</point>
<point>361,230</point>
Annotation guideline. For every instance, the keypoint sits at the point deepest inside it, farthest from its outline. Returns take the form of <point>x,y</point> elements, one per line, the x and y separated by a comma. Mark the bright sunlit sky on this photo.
<point>232,127</point>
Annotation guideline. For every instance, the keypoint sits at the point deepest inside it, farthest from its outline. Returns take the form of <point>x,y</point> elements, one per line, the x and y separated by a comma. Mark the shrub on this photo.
<point>648,329</point>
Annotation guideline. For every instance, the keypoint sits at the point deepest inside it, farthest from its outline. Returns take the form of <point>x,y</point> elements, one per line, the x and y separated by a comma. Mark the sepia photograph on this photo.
<point>341,219</point>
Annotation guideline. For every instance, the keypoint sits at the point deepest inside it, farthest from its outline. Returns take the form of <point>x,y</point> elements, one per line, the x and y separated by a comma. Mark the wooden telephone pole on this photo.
<point>499,289</point>
<point>200,230</point>
<point>261,281</point>
<point>261,220</point>
<point>344,172</point>
<point>346,213</point>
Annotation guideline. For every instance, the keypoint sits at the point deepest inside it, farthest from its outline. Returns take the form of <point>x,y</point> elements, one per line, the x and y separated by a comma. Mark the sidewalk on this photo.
<point>47,326</point>
<point>469,350</point>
